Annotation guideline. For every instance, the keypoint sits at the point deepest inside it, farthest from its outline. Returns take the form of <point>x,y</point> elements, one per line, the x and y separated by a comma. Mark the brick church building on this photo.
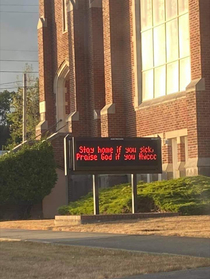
<point>128,68</point>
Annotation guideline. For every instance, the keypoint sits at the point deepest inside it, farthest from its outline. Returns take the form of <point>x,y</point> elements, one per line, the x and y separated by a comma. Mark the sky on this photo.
<point>18,40</point>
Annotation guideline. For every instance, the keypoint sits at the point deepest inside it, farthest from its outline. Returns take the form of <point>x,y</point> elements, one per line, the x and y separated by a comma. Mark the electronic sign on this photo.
<point>115,155</point>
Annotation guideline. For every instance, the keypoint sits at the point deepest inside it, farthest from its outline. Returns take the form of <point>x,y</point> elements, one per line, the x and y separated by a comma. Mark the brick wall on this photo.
<point>113,124</point>
<point>195,47</point>
<point>96,100</point>
<point>203,98</point>
<point>45,61</point>
<point>100,47</point>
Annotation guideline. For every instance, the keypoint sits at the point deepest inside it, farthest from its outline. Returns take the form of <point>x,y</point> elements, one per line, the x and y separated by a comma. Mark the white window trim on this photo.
<point>137,67</point>
<point>64,16</point>
<point>137,53</point>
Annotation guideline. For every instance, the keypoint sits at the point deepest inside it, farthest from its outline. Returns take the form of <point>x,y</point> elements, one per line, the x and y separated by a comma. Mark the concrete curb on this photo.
<point>66,220</point>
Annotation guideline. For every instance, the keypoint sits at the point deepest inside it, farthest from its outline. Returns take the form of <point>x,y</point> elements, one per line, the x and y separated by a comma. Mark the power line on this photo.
<point>18,86</point>
<point>19,60</point>
<point>10,82</point>
<point>15,5</point>
<point>18,72</point>
<point>12,12</point>
<point>19,50</point>
<point>6,88</point>
<point>14,82</point>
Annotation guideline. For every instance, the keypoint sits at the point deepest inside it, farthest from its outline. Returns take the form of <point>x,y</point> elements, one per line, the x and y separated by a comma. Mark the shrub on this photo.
<point>188,195</point>
<point>27,176</point>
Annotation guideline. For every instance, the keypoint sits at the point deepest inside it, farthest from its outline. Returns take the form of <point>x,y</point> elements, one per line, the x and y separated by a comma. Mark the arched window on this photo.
<point>61,90</point>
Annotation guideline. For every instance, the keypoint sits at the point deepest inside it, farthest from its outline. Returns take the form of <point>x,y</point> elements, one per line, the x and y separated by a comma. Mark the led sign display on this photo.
<point>115,155</point>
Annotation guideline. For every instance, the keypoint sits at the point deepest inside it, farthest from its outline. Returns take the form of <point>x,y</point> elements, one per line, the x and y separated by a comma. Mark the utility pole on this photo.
<point>24,107</point>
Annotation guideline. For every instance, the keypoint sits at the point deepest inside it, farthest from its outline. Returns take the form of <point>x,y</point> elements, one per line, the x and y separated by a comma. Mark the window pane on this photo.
<point>183,6</point>
<point>147,88</point>
<point>146,14</point>
<point>160,81</point>
<point>171,9</point>
<point>184,40</point>
<point>158,11</point>
<point>147,50</point>
<point>172,78</point>
<point>172,40</point>
<point>185,73</point>
<point>159,45</point>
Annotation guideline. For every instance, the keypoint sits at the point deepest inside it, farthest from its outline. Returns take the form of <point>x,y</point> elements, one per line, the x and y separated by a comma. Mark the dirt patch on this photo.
<point>190,226</point>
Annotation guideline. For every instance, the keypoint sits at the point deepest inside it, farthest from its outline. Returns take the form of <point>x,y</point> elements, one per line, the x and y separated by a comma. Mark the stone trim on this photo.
<point>63,71</point>
<point>196,85</point>
<point>43,125</point>
<point>73,4</point>
<point>42,22</point>
<point>69,7</point>
<point>176,134</point>
<point>59,91</point>
<point>181,166</point>
<point>193,164</point>
<point>42,107</point>
<point>108,109</point>
<point>95,3</point>
<point>156,135</point>
<point>168,167</point>
<point>161,100</point>
<point>74,116</point>
<point>96,114</point>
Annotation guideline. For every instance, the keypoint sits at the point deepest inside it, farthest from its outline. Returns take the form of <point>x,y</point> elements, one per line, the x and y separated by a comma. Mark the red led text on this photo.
<point>84,149</point>
<point>147,153</point>
<point>86,157</point>
<point>105,149</point>
<point>116,153</point>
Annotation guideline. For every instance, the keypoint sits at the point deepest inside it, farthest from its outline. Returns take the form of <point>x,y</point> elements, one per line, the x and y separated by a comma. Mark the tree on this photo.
<point>5,103</point>
<point>4,135</point>
<point>32,111</point>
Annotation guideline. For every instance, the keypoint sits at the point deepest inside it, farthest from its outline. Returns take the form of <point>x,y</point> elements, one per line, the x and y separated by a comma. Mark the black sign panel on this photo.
<point>115,155</point>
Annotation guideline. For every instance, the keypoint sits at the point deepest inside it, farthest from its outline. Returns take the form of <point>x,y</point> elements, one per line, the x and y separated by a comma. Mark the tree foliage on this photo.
<point>32,113</point>
<point>4,135</point>
<point>11,112</point>
<point>28,175</point>
<point>5,101</point>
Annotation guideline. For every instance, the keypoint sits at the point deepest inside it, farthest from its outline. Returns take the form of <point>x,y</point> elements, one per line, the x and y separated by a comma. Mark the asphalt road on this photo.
<point>199,247</point>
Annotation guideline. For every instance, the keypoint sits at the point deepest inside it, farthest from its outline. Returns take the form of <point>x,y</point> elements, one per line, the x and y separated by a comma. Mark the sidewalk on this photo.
<point>199,273</point>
